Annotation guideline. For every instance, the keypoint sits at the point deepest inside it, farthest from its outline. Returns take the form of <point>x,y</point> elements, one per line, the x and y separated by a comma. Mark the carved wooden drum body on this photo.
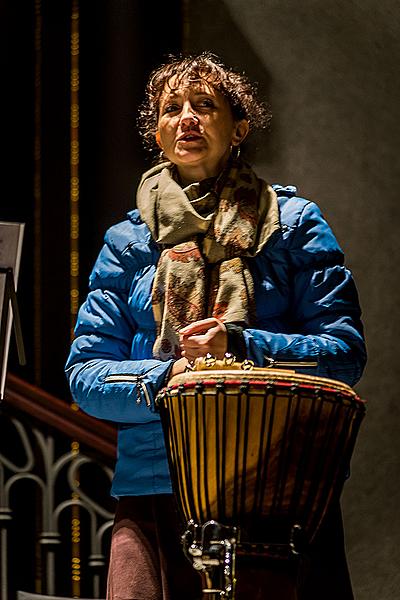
<point>265,451</point>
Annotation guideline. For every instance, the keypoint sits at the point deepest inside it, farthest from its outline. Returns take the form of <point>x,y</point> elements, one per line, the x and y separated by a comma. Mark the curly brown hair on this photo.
<point>236,87</point>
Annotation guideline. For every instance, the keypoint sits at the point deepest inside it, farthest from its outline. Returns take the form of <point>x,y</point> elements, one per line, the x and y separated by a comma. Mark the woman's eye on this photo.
<point>171,108</point>
<point>206,103</point>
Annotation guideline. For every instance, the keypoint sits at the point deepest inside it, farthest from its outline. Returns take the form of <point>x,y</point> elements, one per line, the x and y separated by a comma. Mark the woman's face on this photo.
<point>196,129</point>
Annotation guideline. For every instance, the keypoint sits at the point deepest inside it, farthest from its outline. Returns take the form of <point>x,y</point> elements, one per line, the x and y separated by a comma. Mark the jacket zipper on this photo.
<point>128,378</point>
<point>272,363</point>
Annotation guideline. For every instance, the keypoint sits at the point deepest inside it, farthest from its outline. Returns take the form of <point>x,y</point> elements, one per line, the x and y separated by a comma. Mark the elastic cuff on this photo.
<point>236,343</point>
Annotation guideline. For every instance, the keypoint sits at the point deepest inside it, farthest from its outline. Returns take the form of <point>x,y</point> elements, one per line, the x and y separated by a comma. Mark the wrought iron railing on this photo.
<point>53,458</point>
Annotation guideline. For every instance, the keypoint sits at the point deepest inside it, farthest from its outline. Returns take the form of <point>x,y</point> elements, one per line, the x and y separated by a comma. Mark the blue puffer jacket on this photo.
<point>307,308</point>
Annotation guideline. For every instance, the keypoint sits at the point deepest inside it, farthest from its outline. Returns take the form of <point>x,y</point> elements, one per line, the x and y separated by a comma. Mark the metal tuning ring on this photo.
<point>247,365</point>
<point>209,360</point>
<point>229,359</point>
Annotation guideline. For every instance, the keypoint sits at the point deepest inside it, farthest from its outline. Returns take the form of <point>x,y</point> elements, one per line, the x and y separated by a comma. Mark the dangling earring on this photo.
<point>235,151</point>
<point>161,156</point>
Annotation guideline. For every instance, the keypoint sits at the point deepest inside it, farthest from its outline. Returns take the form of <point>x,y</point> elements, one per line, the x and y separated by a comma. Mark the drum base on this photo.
<point>211,548</point>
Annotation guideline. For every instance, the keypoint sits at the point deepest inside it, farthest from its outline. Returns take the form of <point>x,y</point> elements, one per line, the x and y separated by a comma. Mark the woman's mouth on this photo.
<point>189,137</point>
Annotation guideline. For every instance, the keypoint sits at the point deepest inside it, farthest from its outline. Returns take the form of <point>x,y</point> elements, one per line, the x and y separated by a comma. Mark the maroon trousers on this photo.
<point>147,562</point>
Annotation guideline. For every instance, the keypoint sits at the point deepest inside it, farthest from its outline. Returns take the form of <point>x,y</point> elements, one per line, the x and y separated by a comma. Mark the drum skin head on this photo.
<point>261,374</point>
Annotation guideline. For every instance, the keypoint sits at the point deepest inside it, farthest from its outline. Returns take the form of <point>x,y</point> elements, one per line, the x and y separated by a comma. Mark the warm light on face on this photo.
<point>196,128</point>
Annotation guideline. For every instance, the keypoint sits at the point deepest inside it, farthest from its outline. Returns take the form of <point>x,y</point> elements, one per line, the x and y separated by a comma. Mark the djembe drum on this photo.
<point>256,458</point>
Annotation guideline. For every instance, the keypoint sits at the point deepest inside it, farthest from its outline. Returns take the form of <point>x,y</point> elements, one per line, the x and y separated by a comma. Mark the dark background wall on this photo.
<point>120,42</point>
<point>330,71</point>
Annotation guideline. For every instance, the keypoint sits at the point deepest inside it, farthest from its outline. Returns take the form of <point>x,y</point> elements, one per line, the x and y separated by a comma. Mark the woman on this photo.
<point>213,260</point>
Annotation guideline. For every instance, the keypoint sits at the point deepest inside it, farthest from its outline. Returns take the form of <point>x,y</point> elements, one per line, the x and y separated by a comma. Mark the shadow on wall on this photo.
<point>233,47</point>
<point>330,70</point>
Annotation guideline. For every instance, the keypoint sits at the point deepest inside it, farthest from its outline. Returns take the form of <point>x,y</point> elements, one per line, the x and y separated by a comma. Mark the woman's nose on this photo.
<point>188,115</point>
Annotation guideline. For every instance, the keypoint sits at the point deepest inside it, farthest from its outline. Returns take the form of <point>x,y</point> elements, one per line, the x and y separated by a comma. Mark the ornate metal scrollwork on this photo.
<point>34,457</point>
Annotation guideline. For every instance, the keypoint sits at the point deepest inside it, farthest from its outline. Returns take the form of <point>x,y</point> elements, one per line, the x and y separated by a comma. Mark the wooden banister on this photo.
<point>58,414</point>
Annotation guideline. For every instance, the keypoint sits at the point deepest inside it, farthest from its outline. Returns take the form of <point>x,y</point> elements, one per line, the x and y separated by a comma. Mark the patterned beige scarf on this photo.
<point>202,270</point>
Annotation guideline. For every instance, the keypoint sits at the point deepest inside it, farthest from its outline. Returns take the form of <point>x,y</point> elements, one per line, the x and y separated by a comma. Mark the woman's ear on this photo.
<point>240,132</point>
<point>158,139</point>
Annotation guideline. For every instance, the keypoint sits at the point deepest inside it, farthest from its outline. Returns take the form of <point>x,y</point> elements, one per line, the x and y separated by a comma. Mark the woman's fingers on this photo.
<point>208,336</point>
<point>199,326</point>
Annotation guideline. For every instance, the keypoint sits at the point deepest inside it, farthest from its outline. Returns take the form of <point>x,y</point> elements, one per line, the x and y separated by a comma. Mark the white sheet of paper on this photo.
<point>11,236</point>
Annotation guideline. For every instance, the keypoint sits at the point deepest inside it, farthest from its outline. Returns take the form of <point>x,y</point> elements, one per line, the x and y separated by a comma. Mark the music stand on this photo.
<point>11,235</point>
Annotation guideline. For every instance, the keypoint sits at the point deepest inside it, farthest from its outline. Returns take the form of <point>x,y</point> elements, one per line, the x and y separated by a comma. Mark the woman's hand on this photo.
<point>203,337</point>
<point>178,367</point>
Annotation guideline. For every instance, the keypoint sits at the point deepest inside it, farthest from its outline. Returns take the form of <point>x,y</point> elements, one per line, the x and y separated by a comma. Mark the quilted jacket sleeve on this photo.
<point>104,381</point>
<point>324,307</point>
